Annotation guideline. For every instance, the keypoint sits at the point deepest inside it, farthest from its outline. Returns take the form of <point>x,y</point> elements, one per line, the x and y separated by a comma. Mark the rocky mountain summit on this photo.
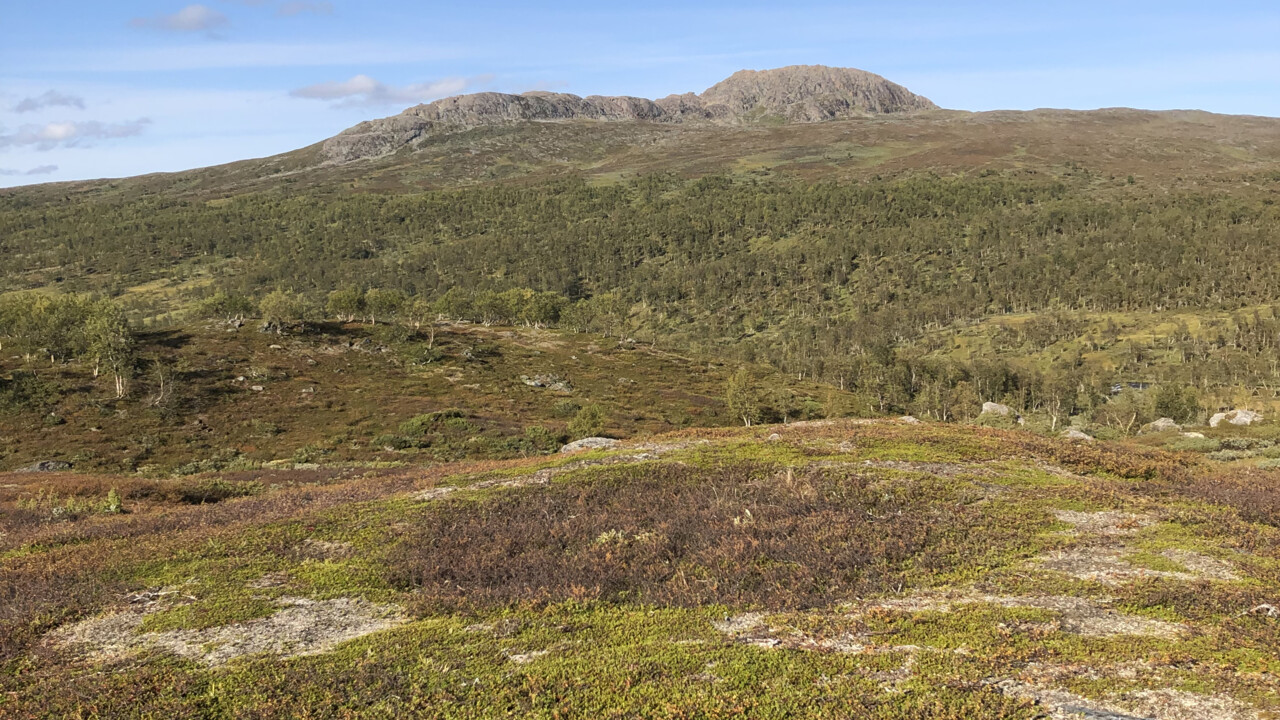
<point>801,93</point>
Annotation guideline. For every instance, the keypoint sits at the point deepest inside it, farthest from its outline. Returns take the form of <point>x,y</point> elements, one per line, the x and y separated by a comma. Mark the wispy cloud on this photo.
<point>41,170</point>
<point>363,90</point>
<point>72,134</point>
<point>293,9</point>
<point>227,55</point>
<point>192,18</point>
<point>53,98</point>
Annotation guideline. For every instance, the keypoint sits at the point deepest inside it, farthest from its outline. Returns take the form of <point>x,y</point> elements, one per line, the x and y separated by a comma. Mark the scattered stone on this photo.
<point>525,658</point>
<point>736,625</point>
<point>434,493</point>
<point>1235,417</point>
<point>1164,704</point>
<point>909,420</point>
<point>1109,566</point>
<point>257,388</point>
<point>1161,425</point>
<point>1079,616</point>
<point>300,627</point>
<point>541,477</point>
<point>1109,522</point>
<point>775,437</point>
<point>937,469</point>
<point>326,549</point>
<point>270,580</point>
<point>275,347</point>
<point>1265,611</point>
<point>46,466</point>
<point>550,382</point>
<point>992,408</point>
<point>591,443</point>
<point>1075,434</point>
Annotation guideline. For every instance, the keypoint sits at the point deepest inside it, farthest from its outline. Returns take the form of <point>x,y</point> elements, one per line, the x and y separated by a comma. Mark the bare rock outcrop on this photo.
<point>801,93</point>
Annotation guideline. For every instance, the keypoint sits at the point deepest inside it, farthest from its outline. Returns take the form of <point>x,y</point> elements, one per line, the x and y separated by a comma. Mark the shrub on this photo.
<point>25,391</point>
<point>1246,443</point>
<point>212,490</point>
<point>665,534</point>
<point>421,424</point>
<point>566,408</point>
<point>1231,455</point>
<point>422,355</point>
<point>113,502</point>
<point>1200,445</point>
<point>1177,402</point>
<point>393,442</point>
<point>308,454</point>
<point>229,459</point>
<point>588,422</point>
<point>542,439</point>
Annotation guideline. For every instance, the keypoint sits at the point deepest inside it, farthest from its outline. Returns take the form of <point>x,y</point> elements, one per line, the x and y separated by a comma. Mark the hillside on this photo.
<point>791,94</point>
<point>882,569</point>
<point>207,397</point>
<point>886,411</point>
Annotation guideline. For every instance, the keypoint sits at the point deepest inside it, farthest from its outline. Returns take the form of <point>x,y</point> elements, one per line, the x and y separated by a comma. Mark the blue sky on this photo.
<point>92,89</point>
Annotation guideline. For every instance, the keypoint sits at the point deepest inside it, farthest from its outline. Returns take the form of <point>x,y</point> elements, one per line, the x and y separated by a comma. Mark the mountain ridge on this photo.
<point>794,94</point>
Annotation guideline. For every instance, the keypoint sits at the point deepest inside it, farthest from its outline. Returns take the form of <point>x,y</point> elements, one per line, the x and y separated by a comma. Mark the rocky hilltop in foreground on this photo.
<point>801,93</point>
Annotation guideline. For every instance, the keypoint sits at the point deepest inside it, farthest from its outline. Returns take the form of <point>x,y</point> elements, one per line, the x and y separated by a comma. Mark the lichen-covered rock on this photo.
<point>591,443</point>
<point>1236,417</point>
<point>1076,434</point>
<point>1161,425</point>
<point>46,466</point>
<point>994,408</point>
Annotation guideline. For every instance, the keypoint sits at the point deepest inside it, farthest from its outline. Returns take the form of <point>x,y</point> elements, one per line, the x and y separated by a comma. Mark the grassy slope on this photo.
<point>1171,148</point>
<point>328,396</point>
<point>599,586</point>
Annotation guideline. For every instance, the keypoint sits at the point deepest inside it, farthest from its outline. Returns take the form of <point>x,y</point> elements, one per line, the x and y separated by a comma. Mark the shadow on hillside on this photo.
<point>170,339</point>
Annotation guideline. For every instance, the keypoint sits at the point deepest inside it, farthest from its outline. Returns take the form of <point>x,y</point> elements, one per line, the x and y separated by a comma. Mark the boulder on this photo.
<point>991,408</point>
<point>1075,434</point>
<point>550,382</point>
<point>1236,417</point>
<point>591,443</point>
<point>1161,425</point>
<point>46,466</point>
<point>1193,435</point>
<point>909,420</point>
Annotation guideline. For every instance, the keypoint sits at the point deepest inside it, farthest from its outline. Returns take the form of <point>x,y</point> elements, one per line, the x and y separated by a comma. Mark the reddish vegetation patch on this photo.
<point>676,535</point>
<point>1254,493</point>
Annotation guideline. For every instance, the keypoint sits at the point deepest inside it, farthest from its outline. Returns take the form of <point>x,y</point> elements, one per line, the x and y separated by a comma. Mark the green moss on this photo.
<point>207,613</point>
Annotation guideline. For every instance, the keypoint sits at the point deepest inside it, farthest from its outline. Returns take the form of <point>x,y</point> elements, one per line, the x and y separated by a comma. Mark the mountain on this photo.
<point>800,93</point>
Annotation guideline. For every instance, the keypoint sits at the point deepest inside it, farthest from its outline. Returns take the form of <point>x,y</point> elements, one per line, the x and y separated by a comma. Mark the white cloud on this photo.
<point>227,55</point>
<point>292,9</point>
<point>192,18</point>
<point>52,98</point>
<point>41,170</point>
<point>71,134</point>
<point>363,90</point>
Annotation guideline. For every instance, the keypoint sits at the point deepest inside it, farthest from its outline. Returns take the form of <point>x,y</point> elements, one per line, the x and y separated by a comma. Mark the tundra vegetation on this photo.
<point>832,568</point>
